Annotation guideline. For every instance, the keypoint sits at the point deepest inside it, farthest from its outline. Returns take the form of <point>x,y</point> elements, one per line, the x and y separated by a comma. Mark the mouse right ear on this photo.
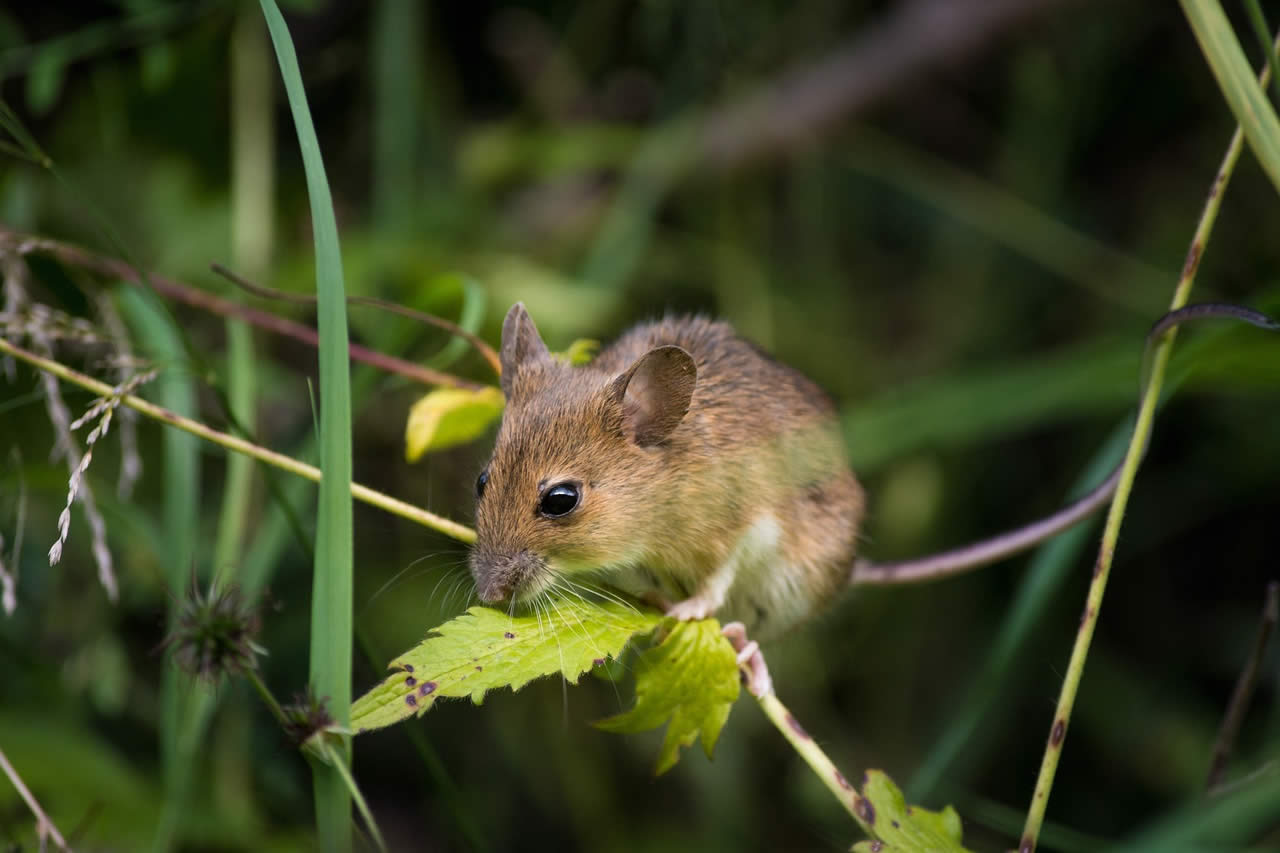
<point>655,393</point>
<point>521,344</point>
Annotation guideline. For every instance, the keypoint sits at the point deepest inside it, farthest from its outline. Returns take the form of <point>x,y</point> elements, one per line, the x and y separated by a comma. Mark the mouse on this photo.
<point>682,465</point>
<point>687,467</point>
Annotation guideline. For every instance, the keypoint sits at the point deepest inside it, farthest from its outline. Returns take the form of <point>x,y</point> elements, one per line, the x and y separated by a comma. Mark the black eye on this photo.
<point>559,500</point>
<point>480,483</point>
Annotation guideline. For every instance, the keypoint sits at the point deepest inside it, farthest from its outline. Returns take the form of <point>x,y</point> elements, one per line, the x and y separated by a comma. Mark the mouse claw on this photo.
<point>750,660</point>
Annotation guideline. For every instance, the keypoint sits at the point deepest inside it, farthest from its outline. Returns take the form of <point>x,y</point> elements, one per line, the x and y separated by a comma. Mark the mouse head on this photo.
<point>578,465</point>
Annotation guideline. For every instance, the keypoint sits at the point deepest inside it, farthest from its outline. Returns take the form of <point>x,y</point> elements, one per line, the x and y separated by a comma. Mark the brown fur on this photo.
<point>668,496</point>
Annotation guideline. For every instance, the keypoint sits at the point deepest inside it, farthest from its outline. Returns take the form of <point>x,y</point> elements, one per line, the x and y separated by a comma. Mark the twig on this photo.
<point>832,778</point>
<point>755,675</point>
<point>1106,552</point>
<point>44,826</point>
<point>25,244</point>
<point>1245,685</point>
<point>361,493</point>
<point>476,341</point>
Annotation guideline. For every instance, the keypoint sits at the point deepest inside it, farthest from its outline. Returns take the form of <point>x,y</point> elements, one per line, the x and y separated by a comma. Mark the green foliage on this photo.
<point>689,682</point>
<point>975,313</point>
<point>900,827</point>
<point>447,417</point>
<point>484,649</point>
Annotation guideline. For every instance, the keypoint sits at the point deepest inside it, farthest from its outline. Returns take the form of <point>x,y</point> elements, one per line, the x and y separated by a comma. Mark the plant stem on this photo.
<point>309,472</point>
<point>43,824</point>
<point>267,698</point>
<point>1243,691</point>
<point>817,760</point>
<point>1111,532</point>
<point>25,244</point>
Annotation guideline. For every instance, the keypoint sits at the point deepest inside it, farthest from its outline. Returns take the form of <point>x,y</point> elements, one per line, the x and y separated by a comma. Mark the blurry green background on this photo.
<point>966,252</point>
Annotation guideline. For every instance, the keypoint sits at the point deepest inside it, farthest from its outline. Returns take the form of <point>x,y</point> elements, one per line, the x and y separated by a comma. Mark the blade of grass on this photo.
<point>331,602</point>
<point>1227,822</point>
<point>252,188</point>
<point>398,137</point>
<point>1239,87</point>
<point>159,339</point>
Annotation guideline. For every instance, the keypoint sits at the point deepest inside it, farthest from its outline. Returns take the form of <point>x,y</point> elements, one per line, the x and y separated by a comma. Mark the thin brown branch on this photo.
<point>44,826</point>
<point>1243,693</point>
<point>477,343</point>
<point>27,244</point>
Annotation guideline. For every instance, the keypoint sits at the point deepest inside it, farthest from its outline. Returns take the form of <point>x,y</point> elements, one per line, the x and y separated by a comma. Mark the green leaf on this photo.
<point>899,826</point>
<point>691,679</point>
<point>484,649</point>
<point>580,352</point>
<point>450,416</point>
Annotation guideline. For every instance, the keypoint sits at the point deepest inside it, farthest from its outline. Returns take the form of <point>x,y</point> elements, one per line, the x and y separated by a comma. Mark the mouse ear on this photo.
<point>521,344</point>
<point>655,393</point>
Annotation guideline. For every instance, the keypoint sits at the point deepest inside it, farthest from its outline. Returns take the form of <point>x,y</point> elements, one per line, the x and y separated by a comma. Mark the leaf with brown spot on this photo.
<point>899,827</point>
<point>484,649</point>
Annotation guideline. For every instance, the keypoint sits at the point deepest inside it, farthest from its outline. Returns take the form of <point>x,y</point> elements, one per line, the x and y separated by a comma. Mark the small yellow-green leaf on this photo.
<point>689,681</point>
<point>579,352</point>
<point>484,649</point>
<point>449,416</point>
<point>899,827</point>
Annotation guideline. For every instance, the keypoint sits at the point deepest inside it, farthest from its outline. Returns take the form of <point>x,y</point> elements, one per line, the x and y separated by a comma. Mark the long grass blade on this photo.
<point>331,594</point>
<point>161,341</point>
<point>1240,88</point>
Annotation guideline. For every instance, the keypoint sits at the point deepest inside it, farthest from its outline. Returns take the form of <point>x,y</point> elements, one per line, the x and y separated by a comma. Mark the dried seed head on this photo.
<point>307,717</point>
<point>214,633</point>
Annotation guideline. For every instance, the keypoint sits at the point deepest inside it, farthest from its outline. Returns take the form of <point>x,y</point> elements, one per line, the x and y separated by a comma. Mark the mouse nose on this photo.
<point>499,575</point>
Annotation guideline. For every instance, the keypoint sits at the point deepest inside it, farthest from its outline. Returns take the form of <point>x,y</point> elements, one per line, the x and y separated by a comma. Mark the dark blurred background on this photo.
<point>958,216</point>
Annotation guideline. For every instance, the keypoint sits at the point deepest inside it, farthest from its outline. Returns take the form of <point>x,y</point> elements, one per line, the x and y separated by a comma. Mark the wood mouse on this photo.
<point>685,466</point>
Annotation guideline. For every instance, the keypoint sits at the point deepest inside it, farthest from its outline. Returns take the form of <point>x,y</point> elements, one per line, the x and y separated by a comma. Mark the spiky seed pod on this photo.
<point>214,633</point>
<point>307,717</point>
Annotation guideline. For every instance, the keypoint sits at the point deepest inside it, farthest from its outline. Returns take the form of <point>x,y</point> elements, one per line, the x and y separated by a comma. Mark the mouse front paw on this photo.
<point>692,609</point>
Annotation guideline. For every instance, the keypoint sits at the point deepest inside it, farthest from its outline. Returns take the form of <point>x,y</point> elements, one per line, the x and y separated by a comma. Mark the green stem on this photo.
<point>267,698</point>
<point>1111,532</point>
<point>840,787</point>
<point>239,445</point>
<point>340,765</point>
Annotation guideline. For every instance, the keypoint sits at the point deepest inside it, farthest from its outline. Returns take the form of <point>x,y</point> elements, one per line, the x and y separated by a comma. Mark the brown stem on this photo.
<point>421,316</point>
<point>1243,692</point>
<point>26,244</point>
<point>43,824</point>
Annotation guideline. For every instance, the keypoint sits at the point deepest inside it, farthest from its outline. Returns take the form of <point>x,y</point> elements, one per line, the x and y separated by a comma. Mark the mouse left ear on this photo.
<point>521,344</point>
<point>654,393</point>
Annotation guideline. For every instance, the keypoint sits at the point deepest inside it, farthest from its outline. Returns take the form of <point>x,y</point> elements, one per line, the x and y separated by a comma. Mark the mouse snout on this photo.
<point>499,576</point>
